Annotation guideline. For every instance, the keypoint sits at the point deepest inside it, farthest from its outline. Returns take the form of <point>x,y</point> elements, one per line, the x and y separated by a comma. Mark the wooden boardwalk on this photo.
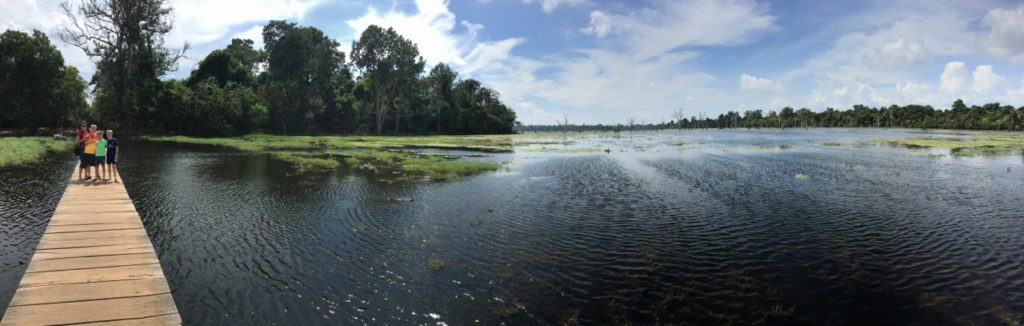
<point>94,264</point>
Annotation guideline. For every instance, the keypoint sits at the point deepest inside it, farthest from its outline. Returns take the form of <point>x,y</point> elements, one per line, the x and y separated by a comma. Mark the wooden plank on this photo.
<point>111,234</point>
<point>91,262</point>
<point>91,311</point>
<point>45,244</point>
<point>69,219</point>
<point>168,319</point>
<point>93,227</point>
<point>44,254</point>
<point>89,291</point>
<point>94,264</point>
<point>91,275</point>
<point>94,209</point>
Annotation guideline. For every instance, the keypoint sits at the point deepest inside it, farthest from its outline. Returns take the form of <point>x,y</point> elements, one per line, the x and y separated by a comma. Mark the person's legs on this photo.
<point>81,166</point>
<point>113,171</point>
<point>87,160</point>
<point>101,167</point>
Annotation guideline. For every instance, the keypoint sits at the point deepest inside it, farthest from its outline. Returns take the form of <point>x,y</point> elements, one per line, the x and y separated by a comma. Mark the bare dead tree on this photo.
<point>631,122</point>
<point>679,115</point>
<point>563,124</point>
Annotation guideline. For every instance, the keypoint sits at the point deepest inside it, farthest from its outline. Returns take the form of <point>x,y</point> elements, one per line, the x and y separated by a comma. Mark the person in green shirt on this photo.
<point>101,158</point>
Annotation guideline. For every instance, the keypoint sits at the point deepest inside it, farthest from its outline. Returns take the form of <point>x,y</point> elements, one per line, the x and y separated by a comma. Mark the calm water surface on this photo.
<point>695,227</point>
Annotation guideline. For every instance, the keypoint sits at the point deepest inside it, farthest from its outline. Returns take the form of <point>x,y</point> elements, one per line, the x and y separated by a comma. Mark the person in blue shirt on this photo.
<point>113,154</point>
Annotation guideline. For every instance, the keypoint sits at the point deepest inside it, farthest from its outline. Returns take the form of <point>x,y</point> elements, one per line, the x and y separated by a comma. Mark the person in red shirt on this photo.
<point>80,136</point>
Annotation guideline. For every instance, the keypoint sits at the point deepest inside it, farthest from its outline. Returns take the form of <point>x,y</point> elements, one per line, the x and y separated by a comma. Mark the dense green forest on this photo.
<point>992,116</point>
<point>298,83</point>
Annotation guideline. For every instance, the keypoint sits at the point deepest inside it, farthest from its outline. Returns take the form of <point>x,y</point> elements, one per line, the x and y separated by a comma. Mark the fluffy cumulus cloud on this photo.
<point>954,77</point>
<point>201,21</point>
<point>549,6</point>
<point>1007,36</point>
<point>751,83</point>
<point>985,79</point>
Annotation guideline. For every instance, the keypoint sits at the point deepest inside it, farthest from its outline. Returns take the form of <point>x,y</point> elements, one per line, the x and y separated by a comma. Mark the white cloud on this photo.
<point>254,33</point>
<point>1007,36</point>
<point>751,83</point>
<point>600,24</point>
<point>674,24</point>
<point>911,92</point>
<point>953,77</point>
<point>435,33</point>
<point>549,6</point>
<point>897,54</point>
<point>202,22</point>
<point>985,79</point>
<point>431,28</point>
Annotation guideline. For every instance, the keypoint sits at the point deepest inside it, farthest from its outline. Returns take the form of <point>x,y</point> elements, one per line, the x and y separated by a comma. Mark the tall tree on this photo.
<point>38,90</point>
<point>126,40</point>
<point>388,60</point>
<point>302,64</point>
<point>441,81</point>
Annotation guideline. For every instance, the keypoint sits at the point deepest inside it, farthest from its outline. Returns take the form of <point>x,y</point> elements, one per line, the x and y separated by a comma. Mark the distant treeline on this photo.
<point>991,116</point>
<point>298,83</point>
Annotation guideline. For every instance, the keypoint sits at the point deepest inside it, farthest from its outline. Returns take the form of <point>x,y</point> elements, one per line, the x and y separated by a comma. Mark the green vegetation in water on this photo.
<point>936,156</point>
<point>981,144</point>
<point>303,162</point>
<point>433,165</point>
<point>801,176</point>
<point>578,150</point>
<point>375,154</point>
<point>435,264</point>
<point>832,144</point>
<point>768,146</point>
<point>264,142</point>
<point>29,150</point>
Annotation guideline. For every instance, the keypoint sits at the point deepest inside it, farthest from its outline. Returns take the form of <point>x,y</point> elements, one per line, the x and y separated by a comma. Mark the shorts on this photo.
<point>87,160</point>
<point>100,160</point>
<point>111,159</point>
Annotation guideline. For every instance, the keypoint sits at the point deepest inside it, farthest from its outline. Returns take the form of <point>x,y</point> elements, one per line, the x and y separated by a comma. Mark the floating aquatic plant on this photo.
<point>435,265</point>
<point>801,176</point>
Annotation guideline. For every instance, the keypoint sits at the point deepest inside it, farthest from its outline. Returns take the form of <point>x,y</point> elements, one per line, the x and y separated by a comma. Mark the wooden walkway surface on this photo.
<point>94,264</point>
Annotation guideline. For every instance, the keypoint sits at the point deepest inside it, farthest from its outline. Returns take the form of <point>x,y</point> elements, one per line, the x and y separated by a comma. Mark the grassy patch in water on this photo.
<point>832,144</point>
<point>563,150</point>
<point>303,162</point>
<point>801,176</point>
<point>979,144</point>
<point>29,150</point>
<point>371,153</point>
<point>435,265</point>
<point>262,142</point>
<point>436,166</point>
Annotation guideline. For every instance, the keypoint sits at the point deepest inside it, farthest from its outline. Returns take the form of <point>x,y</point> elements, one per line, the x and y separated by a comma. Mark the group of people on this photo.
<point>97,154</point>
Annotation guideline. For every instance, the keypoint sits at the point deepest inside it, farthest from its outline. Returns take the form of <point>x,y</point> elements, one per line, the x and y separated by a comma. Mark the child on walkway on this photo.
<point>112,153</point>
<point>89,158</point>
<point>83,131</point>
<point>101,158</point>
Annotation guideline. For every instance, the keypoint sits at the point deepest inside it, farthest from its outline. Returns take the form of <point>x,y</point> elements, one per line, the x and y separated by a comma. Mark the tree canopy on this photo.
<point>38,89</point>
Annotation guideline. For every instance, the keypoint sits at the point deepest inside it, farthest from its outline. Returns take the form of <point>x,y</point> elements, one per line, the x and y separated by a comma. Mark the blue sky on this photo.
<point>605,61</point>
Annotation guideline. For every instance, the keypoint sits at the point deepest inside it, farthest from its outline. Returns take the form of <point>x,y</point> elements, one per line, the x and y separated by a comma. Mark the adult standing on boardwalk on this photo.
<point>80,136</point>
<point>89,151</point>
